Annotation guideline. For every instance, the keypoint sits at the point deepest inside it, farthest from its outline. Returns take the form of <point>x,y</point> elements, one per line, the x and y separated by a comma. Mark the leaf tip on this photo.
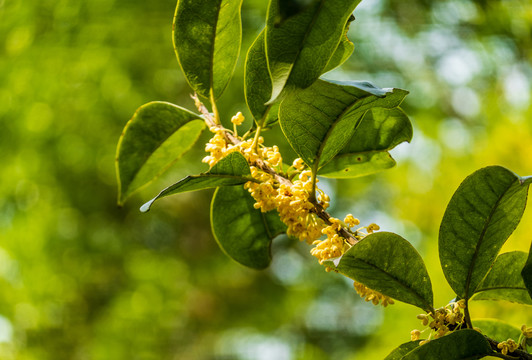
<point>146,207</point>
<point>525,180</point>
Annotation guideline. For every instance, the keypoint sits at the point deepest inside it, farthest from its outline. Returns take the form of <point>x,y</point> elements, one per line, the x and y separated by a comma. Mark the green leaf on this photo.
<point>367,151</point>
<point>301,38</point>
<point>526,273</point>
<point>399,352</point>
<point>343,51</point>
<point>459,345</point>
<point>320,120</point>
<point>387,263</point>
<point>155,137</point>
<point>258,84</point>
<point>480,217</point>
<point>497,330</point>
<point>207,36</point>
<point>231,170</point>
<point>504,281</point>
<point>243,232</point>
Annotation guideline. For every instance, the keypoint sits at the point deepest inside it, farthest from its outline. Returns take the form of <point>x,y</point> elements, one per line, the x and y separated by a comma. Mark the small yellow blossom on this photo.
<point>238,119</point>
<point>373,227</point>
<point>507,346</point>
<point>371,295</point>
<point>415,334</point>
<point>351,221</point>
<point>298,164</point>
<point>527,331</point>
<point>424,319</point>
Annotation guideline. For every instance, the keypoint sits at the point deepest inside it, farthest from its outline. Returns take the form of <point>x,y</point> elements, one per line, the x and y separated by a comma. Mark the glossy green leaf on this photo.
<point>389,264</point>
<point>367,151</point>
<point>497,330</point>
<point>155,137</point>
<point>526,273</point>
<point>243,232</point>
<point>480,217</point>
<point>504,281</point>
<point>207,36</point>
<point>356,165</point>
<point>402,350</point>
<point>301,38</point>
<point>231,170</point>
<point>343,51</point>
<point>321,120</point>
<point>258,84</point>
<point>460,345</point>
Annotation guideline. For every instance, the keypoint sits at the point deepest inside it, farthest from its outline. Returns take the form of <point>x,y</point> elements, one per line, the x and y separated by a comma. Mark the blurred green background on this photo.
<point>81,278</point>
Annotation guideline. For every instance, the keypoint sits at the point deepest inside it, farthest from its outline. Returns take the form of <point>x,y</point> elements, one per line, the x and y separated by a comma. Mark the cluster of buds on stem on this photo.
<point>444,321</point>
<point>294,200</point>
<point>507,346</point>
<point>371,295</point>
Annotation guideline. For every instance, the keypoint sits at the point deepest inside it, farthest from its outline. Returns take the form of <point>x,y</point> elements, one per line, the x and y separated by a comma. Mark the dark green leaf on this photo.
<point>504,281</point>
<point>155,137</point>
<point>526,273</point>
<point>207,36</point>
<point>343,51</point>
<point>231,170</point>
<point>387,263</point>
<point>399,352</point>
<point>356,165</point>
<point>460,345</point>
<point>320,120</point>
<point>301,38</point>
<point>480,217</point>
<point>243,232</point>
<point>497,330</point>
<point>258,84</point>
<point>367,151</point>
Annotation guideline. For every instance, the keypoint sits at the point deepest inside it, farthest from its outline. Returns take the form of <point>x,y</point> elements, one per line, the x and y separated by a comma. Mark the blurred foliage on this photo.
<point>83,279</point>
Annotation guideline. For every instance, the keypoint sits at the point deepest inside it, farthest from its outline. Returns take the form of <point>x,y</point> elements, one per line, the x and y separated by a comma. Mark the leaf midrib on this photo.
<point>480,242</point>
<point>333,125</point>
<point>211,58</point>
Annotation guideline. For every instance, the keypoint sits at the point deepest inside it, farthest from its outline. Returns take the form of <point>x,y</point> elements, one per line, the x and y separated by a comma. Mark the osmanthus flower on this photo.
<point>444,320</point>
<point>293,199</point>
<point>415,334</point>
<point>526,331</point>
<point>507,346</point>
<point>371,295</point>
<point>238,119</point>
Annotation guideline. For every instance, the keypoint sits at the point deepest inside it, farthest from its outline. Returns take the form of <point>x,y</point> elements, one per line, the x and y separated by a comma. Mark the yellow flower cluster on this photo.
<point>291,199</point>
<point>334,245</point>
<point>507,346</point>
<point>371,295</point>
<point>446,319</point>
<point>218,147</point>
<point>295,209</point>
